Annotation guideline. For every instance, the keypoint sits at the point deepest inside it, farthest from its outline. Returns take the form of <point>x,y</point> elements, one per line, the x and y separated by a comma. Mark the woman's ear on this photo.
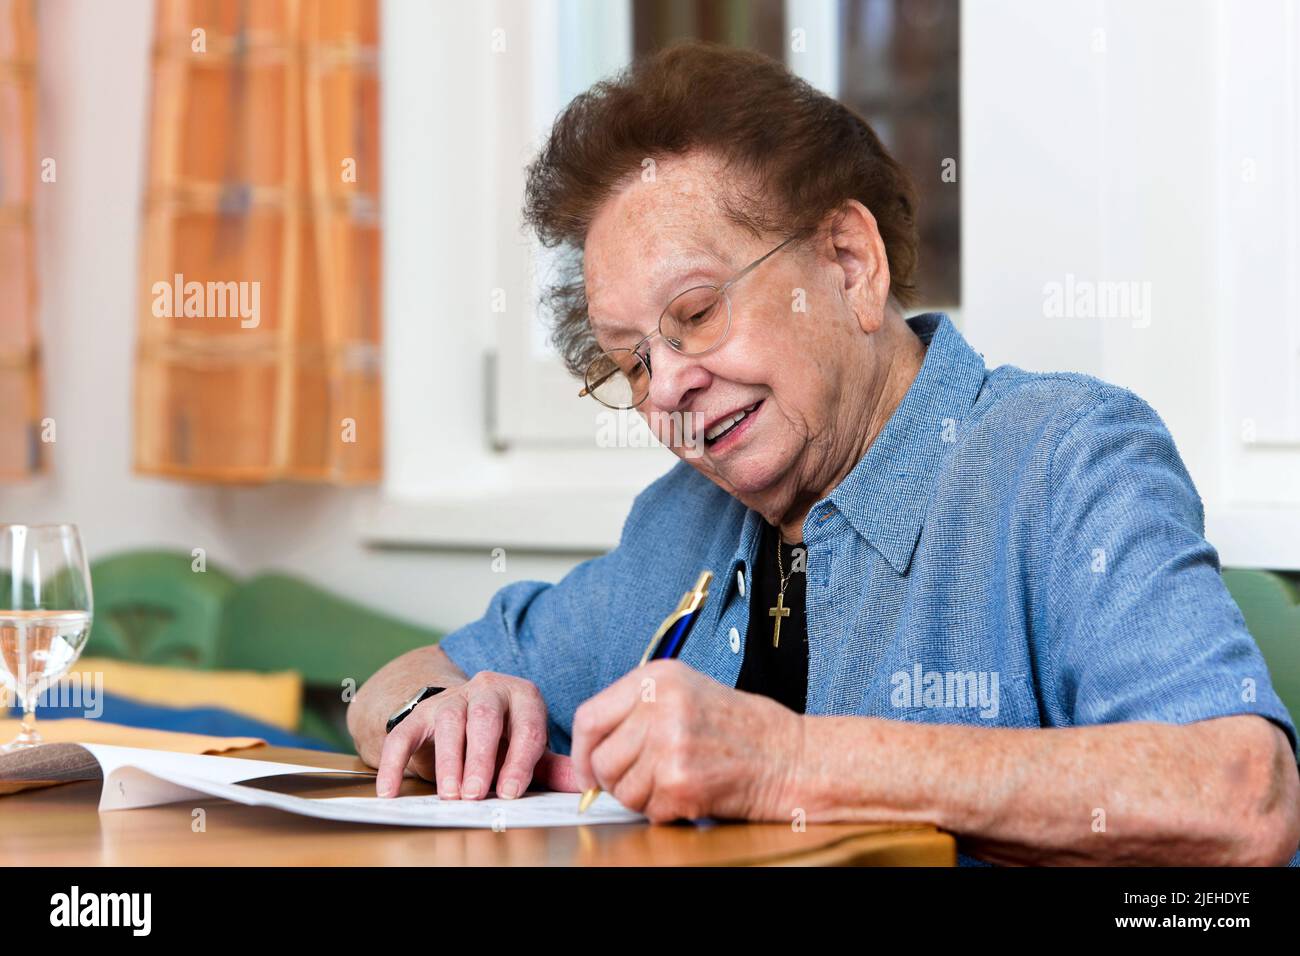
<point>860,253</point>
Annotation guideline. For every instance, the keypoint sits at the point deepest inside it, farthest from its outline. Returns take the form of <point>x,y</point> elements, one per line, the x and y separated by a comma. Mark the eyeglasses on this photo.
<point>695,322</point>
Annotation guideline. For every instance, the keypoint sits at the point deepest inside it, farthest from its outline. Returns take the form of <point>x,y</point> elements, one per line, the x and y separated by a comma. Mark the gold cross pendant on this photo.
<point>777,613</point>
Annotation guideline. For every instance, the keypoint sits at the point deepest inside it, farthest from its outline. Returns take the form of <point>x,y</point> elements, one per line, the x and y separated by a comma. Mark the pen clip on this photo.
<point>690,603</point>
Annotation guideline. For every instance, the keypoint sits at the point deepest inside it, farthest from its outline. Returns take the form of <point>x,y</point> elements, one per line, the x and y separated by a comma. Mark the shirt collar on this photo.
<point>884,498</point>
<point>886,495</point>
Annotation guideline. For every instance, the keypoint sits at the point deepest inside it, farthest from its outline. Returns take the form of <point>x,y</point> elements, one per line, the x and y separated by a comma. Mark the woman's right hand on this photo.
<point>490,728</point>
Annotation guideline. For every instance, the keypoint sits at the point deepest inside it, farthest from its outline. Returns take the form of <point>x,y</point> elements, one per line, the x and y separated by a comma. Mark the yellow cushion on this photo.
<point>275,698</point>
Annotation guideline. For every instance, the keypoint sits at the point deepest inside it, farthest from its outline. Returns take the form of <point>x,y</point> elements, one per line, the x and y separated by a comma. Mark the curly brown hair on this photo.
<point>801,153</point>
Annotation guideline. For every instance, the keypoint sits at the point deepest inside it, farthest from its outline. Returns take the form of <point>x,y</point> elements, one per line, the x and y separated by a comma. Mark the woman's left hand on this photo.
<point>671,743</point>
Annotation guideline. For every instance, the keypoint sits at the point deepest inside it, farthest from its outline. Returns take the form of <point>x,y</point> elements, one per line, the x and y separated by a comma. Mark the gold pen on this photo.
<point>668,642</point>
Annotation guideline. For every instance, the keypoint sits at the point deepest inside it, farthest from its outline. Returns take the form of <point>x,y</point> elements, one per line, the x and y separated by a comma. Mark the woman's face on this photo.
<point>794,362</point>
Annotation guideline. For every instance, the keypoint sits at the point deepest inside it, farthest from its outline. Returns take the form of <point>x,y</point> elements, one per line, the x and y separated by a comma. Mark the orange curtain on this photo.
<point>258,354</point>
<point>21,446</point>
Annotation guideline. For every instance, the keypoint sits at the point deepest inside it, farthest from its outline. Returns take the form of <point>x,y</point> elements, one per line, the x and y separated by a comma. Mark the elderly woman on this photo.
<point>979,598</point>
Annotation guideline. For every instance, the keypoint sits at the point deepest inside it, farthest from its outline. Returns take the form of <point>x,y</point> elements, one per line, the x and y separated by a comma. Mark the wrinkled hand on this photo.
<point>671,743</point>
<point>492,727</point>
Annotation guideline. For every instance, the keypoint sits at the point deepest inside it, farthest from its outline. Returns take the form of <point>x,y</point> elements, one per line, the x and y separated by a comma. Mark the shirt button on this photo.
<point>735,641</point>
<point>740,582</point>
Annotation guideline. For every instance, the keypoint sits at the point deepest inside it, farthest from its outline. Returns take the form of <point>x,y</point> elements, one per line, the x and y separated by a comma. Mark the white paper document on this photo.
<point>531,810</point>
<point>135,777</point>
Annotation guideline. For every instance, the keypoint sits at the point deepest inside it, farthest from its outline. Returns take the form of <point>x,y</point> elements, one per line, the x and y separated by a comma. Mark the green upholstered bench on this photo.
<point>1270,603</point>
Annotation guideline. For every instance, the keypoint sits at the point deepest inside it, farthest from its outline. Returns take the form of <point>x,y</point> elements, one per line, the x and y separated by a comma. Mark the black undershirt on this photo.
<point>778,672</point>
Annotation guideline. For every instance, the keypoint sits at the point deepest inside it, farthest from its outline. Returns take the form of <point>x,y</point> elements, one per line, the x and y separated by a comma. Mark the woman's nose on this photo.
<point>674,377</point>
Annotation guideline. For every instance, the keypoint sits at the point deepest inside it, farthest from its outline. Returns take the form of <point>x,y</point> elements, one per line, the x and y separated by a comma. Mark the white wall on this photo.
<point>94,103</point>
<point>1102,140</point>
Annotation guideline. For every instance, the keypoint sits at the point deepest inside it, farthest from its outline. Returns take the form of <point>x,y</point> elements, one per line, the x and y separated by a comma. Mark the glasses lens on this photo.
<point>618,378</point>
<point>696,320</point>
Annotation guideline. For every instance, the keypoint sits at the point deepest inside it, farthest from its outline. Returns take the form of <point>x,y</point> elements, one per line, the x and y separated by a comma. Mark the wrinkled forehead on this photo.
<point>666,221</point>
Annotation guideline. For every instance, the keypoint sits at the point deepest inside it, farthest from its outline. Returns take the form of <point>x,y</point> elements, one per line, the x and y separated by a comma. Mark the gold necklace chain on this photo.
<point>780,565</point>
<point>780,610</point>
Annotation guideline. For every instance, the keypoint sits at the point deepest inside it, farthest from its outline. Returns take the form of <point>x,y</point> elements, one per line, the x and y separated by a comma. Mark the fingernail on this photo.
<point>473,787</point>
<point>509,789</point>
<point>386,790</point>
<point>448,788</point>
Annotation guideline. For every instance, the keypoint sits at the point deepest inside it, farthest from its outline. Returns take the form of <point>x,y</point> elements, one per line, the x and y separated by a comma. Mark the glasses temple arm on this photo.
<point>755,264</point>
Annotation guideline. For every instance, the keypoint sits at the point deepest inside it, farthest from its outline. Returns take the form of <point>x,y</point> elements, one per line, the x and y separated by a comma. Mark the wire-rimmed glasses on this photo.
<point>694,322</point>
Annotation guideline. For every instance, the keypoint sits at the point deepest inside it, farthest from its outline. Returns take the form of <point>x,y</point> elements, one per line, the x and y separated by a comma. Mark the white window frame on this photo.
<point>453,246</point>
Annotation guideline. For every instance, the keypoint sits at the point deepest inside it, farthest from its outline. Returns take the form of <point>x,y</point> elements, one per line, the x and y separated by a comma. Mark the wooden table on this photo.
<point>60,826</point>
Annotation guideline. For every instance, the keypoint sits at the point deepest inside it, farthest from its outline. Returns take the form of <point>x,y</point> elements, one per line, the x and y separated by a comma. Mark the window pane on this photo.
<point>899,63</point>
<point>754,24</point>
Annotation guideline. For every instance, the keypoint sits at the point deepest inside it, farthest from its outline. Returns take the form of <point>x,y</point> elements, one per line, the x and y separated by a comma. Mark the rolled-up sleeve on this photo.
<point>1140,623</point>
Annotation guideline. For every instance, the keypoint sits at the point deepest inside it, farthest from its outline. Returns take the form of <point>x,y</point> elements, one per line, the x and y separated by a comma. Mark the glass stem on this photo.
<point>27,735</point>
<point>29,716</point>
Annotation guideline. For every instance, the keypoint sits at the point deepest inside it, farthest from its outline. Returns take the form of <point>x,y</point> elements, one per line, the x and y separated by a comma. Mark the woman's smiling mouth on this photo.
<point>727,431</point>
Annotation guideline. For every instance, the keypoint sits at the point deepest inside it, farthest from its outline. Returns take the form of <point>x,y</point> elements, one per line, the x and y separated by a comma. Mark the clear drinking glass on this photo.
<point>45,613</point>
